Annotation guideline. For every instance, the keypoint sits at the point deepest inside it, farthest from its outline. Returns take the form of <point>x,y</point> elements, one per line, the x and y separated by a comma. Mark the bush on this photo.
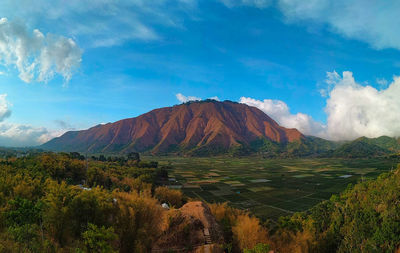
<point>166,195</point>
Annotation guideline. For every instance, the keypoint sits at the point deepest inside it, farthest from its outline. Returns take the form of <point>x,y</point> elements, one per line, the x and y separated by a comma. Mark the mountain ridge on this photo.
<point>208,126</point>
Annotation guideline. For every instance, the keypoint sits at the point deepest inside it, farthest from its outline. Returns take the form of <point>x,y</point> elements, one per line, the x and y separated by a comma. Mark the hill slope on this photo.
<point>203,127</point>
<point>367,147</point>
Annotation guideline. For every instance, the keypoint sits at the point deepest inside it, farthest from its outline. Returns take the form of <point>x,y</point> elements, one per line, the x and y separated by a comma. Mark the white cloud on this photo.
<point>279,111</point>
<point>5,110</point>
<point>375,22</point>
<point>353,110</point>
<point>35,55</point>
<point>18,135</point>
<point>103,23</point>
<point>183,99</point>
<point>382,82</point>
<point>215,98</point>
<point>252,3</point>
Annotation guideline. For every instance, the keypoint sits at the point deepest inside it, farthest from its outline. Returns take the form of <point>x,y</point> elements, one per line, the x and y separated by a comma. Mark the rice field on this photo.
<point>269,188</point>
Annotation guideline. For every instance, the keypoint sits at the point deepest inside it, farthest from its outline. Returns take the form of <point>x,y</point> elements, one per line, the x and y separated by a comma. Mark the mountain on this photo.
<point>385,142</point>
<point>194,128</point>
<point>367,147</point>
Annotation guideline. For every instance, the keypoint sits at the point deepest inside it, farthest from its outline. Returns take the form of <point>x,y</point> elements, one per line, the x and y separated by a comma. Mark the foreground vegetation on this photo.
<point>65,203</point>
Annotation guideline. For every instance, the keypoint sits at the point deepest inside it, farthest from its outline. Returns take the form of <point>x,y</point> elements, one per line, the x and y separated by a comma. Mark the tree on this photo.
<point>259,248</point>
<point>248,232</point>
<point>99,239</point>
<point>133,156</point>
<point>94,206</point>
<point>137,221</point>
<point>57,218</point>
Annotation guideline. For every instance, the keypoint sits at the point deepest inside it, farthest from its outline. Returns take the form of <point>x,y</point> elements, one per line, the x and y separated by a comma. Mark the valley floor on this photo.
<point>269,188</point>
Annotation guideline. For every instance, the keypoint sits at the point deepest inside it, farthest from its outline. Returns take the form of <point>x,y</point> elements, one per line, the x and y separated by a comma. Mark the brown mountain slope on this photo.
<point>209,124</point>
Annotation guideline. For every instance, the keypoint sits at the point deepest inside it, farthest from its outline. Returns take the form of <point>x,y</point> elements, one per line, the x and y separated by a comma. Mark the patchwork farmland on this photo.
<point>269,188</point>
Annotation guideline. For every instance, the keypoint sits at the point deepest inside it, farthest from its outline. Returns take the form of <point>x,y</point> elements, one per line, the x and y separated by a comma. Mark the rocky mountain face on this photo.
<point>201,127</point>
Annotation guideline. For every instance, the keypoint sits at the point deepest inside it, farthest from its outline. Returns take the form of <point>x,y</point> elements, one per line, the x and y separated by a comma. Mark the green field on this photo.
<point>269,188</point>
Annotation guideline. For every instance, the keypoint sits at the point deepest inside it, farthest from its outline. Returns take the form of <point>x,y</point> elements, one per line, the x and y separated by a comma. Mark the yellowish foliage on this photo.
<point>248,232</point>
<point>138,221</point>
<point>173,197</point>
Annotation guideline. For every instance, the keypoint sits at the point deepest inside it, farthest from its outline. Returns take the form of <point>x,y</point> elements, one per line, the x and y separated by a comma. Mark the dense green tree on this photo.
<point>99,239</point>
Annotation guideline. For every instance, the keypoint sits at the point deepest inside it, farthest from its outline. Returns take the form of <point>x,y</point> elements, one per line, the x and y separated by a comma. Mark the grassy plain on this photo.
<point>269,188</point>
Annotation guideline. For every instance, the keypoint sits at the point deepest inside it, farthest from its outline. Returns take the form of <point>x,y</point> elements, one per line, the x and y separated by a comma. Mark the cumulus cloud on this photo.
<point>279,111</point>
<point>5,110</point>
<point>352,109</point>
<point>37,56</point>
<point>19,135</point>
<point>374,22</point>
<point>252,3</point>
<point>382,82</point>
<point>183,99</point>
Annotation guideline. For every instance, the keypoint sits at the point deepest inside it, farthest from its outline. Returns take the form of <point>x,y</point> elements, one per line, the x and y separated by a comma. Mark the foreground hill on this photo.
<point>203,127</point>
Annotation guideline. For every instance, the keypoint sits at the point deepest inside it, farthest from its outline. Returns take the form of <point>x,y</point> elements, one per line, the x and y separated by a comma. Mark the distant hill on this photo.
<point>367,147</point>
<point>385,142</point>
<point>194,128</point>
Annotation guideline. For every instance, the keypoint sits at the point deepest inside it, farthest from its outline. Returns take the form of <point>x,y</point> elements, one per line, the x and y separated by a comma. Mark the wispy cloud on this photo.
<point>183,99</point>
<point>63,124</point>
<point>37,56</point>
<point>251,3</point>
<point>375,22</point>
<point>5,110</point>
<point>104,23</point>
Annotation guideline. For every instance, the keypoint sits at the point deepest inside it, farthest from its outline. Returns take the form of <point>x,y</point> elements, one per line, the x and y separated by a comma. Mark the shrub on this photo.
<point>173,197</point>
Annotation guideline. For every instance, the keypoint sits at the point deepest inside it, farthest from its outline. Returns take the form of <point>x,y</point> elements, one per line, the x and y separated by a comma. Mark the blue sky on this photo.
<point>88,62</point>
